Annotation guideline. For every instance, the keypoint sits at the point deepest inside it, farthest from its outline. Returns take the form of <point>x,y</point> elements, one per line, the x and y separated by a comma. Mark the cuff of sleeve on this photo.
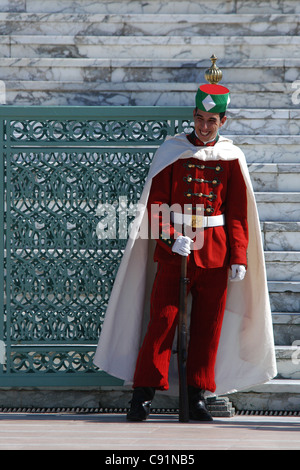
<point>238,256</point>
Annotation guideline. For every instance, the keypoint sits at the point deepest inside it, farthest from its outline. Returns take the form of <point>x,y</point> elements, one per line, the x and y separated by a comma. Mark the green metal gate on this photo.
<point>57,165</point>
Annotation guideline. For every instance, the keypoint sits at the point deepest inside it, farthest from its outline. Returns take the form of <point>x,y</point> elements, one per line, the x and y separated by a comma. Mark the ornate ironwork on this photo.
<point>58,274</point>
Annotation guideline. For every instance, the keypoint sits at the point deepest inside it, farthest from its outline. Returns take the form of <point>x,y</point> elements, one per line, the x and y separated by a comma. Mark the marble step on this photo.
<point>275,176</point>
<point>288,360</point>
<point>278,206</point>
<point>251,121</point>
<point>283,265</point>
<point>275,395</point>
<point>271,121</point>
<point>149,47</point>
<point>166,24</point>
<point>81,93</point>
<point>107,70</point>
<point>220,407</point>
<point>267,6</point>
<point>269,148</point>
<point>153,7</point>
<point>284,296</point>
<point>281,236</point>
<point>286,328</point>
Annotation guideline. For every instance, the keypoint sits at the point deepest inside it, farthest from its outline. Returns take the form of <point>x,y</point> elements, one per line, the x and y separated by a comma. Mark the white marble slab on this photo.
<point>280,206</point>
<point>152,47</point>
<point>283,265</point>
<point>267,6</point>
<point>142,93</point>
<point>155,6</point>
<point>269,148</point>
<point>277,395</point>
<point>275,176</point>
<point>286,327</point>
<point>149,24</point>
<point>287,367</point>
<point>251,121</point>
<point>292,319</point>
<point>243,71</point>
<point>131,6</point>
<point>284,296</point>
<point>142,70</point>
<point>13,5</point>
<point>281,236</point>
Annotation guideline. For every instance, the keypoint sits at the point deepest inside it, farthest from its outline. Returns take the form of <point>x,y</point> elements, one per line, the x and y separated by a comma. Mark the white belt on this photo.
<point>198,221</point>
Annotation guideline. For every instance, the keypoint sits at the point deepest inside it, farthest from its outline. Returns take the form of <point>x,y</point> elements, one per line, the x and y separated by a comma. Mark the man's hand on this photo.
<point>238,272</point>
<point>182,245</point>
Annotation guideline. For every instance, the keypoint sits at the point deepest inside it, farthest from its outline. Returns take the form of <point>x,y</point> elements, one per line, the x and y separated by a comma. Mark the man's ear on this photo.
<point>223,120</point>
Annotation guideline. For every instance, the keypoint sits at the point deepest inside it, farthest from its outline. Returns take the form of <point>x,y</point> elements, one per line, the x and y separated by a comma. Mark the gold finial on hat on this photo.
<point>213,75</point>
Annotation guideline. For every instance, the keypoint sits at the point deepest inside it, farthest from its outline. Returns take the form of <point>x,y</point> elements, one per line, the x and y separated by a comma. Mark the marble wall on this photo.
<point>85,52</point>
<point>154,6</point>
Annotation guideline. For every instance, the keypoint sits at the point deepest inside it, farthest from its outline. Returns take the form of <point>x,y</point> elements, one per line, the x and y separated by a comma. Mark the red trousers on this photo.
<point>208,288</point>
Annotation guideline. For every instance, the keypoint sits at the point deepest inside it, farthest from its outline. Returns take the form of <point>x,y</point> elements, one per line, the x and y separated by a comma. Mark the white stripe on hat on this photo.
<point>208,103</point>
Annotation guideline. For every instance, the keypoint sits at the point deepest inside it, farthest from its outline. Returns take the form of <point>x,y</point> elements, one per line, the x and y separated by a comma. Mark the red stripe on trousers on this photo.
<point>208,288</point>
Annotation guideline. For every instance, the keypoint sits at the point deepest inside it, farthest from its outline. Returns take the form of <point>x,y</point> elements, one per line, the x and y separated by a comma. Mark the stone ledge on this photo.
<point>279,206</point>
<point>257,22</point>
<point>286,328</point>
<point>155,6</point>
<point>281,236</point>
<point>283,265</point>
<point>275,176</point>
<point>288,360</point>
<point>132,69</point>
<point>274,395</point>
<point>186,87</point>
<point>150,47</point>
<point>286,318</point>
<point>140,93</point>
<point>285,296</point>
<point>284,286</point>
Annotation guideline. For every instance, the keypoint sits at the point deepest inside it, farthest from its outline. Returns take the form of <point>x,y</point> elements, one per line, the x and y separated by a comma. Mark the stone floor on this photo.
<point>111,433</point>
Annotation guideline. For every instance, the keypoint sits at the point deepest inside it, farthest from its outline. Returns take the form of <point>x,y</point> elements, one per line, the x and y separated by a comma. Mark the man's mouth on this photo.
<point>205,134</point>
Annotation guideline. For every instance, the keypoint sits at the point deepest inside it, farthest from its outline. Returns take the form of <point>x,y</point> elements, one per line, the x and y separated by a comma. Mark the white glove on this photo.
<point>182,245</point>
<point>238,272</point>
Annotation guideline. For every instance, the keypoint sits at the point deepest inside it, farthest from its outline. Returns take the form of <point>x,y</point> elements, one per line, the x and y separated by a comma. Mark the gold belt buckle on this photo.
<point>197,221</point>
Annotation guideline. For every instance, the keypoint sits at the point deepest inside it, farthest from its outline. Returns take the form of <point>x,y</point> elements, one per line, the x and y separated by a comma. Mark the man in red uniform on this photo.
<point>218,185</point>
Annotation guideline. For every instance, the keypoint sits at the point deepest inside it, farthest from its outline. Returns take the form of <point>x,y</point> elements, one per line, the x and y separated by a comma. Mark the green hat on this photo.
<point>212,98</point>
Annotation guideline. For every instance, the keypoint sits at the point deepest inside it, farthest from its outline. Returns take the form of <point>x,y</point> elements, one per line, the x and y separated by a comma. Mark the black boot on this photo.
<point>140,403</point>
<point>197,407</point>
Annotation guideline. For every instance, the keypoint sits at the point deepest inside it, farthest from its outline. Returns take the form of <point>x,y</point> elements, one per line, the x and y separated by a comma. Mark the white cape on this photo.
<point>246,355</point>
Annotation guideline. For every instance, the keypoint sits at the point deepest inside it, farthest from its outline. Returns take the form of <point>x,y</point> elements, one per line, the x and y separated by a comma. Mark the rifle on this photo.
<point>182,344</point>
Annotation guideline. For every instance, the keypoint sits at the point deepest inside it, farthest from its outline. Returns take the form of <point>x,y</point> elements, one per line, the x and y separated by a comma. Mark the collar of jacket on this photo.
<point>193,139</point>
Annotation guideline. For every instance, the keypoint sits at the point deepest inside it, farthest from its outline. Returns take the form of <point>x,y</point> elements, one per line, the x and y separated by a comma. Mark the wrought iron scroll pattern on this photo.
<point>59,274</point>
<point>89,131</point>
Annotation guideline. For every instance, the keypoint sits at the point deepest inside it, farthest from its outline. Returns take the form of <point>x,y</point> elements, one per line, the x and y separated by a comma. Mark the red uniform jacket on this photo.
<point>220,187</point>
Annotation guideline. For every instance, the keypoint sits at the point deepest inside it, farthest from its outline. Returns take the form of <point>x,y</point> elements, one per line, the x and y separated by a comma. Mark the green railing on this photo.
<point>58,164</point>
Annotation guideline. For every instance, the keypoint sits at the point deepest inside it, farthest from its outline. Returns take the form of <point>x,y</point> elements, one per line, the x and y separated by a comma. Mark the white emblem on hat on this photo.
<point>208,103</point>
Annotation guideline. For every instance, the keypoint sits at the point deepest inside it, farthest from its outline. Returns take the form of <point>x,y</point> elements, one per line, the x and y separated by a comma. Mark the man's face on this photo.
<point>207,124</point>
